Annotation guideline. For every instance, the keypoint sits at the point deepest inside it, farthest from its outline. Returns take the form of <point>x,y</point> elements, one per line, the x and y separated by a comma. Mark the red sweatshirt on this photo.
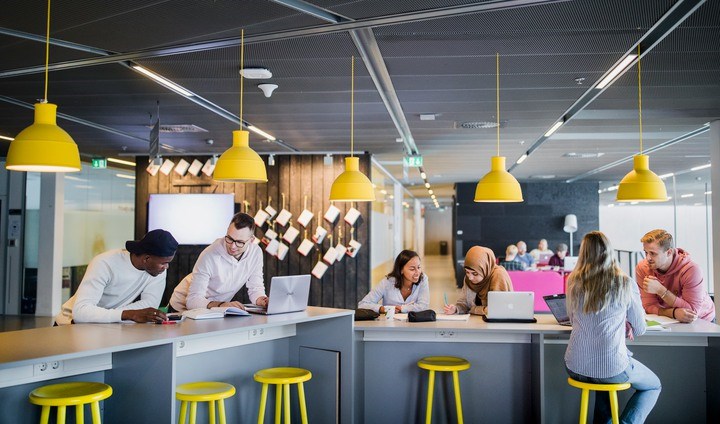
<point>684,279</point>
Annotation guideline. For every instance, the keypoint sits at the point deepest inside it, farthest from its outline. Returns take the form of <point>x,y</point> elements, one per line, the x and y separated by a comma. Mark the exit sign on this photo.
<point>99,163</point>
<point>414,161</point>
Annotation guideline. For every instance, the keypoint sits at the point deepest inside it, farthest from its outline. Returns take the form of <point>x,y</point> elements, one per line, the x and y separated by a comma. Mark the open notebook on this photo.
<point>216,312</point>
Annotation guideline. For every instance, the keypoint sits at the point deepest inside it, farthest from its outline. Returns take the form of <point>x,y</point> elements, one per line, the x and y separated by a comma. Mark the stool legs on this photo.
<point>614,407</point>
<point>286,400</point>
<point>95,410</point>
<point>278,403</point>
<point>80,414</point>
<point>221,410</point>
<point>61,415</point>
<point>183,412</point>
<point>584,406</point>
<point>303,408</point>
<point>45,415</point>
<point>458,399</point>
<point>211,411</point>
<point>431,388</point>
<point>193,412</point>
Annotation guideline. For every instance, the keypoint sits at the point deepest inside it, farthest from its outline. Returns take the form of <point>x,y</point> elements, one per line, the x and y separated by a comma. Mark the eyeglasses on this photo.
<point>238,243</point>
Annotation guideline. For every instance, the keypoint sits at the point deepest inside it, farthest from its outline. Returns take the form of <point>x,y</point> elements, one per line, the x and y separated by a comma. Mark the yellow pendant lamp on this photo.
<point>43,146</point>
<point>352,185</point>
<point>641,184</point>
<point>240,163</point>
<point>498,185</point>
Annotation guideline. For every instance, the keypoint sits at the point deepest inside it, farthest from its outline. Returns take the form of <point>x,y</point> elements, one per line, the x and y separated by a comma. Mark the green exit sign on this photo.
<point>99,163</point>
<point>414,161</point>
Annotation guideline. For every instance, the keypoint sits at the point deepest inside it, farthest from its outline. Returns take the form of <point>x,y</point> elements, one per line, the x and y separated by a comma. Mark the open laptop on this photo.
<point>569,263</point>
<point>544,258</point>
<point>510,307</point>
<point>556,303</point>
<point>287,294</point>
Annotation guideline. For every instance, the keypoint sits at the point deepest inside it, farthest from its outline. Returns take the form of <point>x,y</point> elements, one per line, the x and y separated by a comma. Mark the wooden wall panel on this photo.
<point>297,177</point>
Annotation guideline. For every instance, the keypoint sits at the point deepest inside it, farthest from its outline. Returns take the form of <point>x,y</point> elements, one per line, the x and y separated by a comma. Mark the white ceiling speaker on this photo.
<point>267,88</point>
<point>256,73</point>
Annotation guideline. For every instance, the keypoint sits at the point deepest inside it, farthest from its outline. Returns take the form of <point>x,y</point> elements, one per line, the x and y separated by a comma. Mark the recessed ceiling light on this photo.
<point>2,137</point>
<point>684,196</point>
<point>616,70</point>
<point>542,177</point>
<point>697,168</point>
<point>481,124</point>
<point>583,155</point>
<point>256,73</point>
<point>427,116</point>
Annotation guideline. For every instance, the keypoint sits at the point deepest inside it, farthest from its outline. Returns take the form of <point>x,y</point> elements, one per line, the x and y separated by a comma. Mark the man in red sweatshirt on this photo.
<point>670,283</point>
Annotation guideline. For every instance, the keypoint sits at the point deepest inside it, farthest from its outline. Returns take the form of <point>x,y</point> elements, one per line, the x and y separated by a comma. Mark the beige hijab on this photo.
<point>482,260</point>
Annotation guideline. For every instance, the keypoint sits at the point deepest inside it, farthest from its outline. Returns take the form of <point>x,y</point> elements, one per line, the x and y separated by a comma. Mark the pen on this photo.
<point>445,297</point>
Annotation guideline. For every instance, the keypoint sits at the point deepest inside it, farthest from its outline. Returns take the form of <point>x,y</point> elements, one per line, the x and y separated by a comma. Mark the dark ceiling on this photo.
<point>414,57</point>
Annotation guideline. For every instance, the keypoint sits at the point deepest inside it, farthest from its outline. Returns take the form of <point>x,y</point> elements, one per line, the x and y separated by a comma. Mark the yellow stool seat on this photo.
<point>203,391</point>
<point>443,364</point>
<point>75,394</point>
<point>612,390</point>
<point>282,377</point>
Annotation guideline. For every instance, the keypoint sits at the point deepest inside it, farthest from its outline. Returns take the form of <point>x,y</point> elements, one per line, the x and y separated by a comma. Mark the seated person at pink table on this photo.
<point>558,259</point>
<point>481,276</point>
<point>542,248</point>
<point>405,289</point>
<point>523,255</point>
<point>670,283</point>
<point>511,262</point>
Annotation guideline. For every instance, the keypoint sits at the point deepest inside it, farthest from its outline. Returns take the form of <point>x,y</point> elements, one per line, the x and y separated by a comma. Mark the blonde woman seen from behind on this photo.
<point>604,307</point>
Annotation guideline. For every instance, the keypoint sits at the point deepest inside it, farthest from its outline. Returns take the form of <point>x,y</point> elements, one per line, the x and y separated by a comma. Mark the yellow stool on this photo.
<point>443,363</point>
<point>283,377</point>
<point>76,394</point>
<point>612,390</point>
<point>203,391</point>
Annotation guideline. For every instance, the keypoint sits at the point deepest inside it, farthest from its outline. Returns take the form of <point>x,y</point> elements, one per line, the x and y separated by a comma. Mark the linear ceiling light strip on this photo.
<point>694,133</point>
<point>402,18</point>
<point>662,28</point>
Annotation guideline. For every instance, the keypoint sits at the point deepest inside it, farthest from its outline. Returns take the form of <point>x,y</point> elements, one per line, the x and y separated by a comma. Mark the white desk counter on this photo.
<point>517,372</point>
<point>144,362</point>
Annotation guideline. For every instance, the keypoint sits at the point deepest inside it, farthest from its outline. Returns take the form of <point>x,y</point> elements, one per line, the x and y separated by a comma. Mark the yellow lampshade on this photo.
<point>43,146</point>
<point>240,163</point>
<point>498,185</point>
<point>352,185</point>
<point>641,184</point>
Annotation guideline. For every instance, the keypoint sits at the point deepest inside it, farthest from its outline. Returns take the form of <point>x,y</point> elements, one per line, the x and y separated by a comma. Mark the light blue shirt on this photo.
<point>526,259</point>
<point>597,342</point>
<point>385,291</point>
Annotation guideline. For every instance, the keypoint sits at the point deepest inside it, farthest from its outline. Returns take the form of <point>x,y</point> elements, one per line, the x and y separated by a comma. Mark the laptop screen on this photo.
<point>556,303</point>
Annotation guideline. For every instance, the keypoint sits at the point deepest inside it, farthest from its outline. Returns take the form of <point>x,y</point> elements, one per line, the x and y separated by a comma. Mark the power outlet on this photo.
<point>256,333</point>
<point>446,334</point>
<point>46,368</point>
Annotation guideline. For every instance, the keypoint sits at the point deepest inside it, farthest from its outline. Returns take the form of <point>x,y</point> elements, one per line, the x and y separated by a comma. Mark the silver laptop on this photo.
<point>544,258</point>
<point>287,294</point>
<point>511,306</point>
<point>569,263</point>
<point>556,303</point>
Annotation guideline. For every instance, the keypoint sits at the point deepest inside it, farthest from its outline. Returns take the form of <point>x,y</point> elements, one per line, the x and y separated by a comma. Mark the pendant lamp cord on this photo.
<point>640,101</point>
<point>47,52</point>
<point>352,107</point>
<point>497,90</point>
<point>242,56</point>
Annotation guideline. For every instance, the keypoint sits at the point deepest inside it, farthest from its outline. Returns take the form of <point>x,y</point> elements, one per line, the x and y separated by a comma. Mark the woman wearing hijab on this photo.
<point>482,275</point>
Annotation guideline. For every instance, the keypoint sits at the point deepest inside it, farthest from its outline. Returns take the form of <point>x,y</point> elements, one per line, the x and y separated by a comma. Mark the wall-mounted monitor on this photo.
<point>191,218</point>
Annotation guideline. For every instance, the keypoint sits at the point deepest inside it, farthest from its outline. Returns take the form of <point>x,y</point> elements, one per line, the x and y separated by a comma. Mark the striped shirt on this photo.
<point>597,342</point>
<point>389,295</point>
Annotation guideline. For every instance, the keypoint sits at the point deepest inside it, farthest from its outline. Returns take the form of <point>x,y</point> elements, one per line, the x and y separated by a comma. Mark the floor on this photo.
<point>441,275</point>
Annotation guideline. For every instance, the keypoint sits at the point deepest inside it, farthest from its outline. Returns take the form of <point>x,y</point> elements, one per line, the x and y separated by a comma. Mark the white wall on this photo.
<point>438,227</point>
<point>625,225</point>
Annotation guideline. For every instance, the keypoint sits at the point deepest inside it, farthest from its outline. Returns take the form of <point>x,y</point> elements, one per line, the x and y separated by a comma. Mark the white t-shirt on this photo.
<point>110,286</point>
<point>217,276</point>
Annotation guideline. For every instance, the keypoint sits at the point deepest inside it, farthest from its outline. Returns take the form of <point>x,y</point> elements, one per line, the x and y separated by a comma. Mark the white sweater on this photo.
<point>217,276</point>
<point>110,286</point>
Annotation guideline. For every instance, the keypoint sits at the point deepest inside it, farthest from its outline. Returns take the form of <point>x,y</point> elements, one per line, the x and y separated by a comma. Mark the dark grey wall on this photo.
<point>541,215</point>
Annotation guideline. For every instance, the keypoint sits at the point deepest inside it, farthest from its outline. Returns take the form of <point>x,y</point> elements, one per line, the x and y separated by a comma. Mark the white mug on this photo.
<point>389,312</point>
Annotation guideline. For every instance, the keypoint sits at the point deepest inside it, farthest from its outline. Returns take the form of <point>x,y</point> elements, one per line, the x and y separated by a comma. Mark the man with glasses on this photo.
<point>222,269</point>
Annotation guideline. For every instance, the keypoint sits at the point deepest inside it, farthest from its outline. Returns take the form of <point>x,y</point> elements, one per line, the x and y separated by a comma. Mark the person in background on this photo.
<point>672,284</point>
<point>481,276</point>
<point>511,263</point>
<point>523,255</point>
<point>604,307</point>
<point>542,248</point>
<point>405,288</point>
<point>222,269</point>
<point>558,259</point>
<point>114,280</point>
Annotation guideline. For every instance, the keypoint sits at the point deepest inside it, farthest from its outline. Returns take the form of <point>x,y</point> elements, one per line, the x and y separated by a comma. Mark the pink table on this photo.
<point>542,283</point>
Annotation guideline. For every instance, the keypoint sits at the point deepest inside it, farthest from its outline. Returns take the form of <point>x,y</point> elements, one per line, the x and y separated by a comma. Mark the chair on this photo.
<point>443,364</point>
<point>76,394</point>
<point>282,377</point>
<point>612,390</point>
<point>203,391</point>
